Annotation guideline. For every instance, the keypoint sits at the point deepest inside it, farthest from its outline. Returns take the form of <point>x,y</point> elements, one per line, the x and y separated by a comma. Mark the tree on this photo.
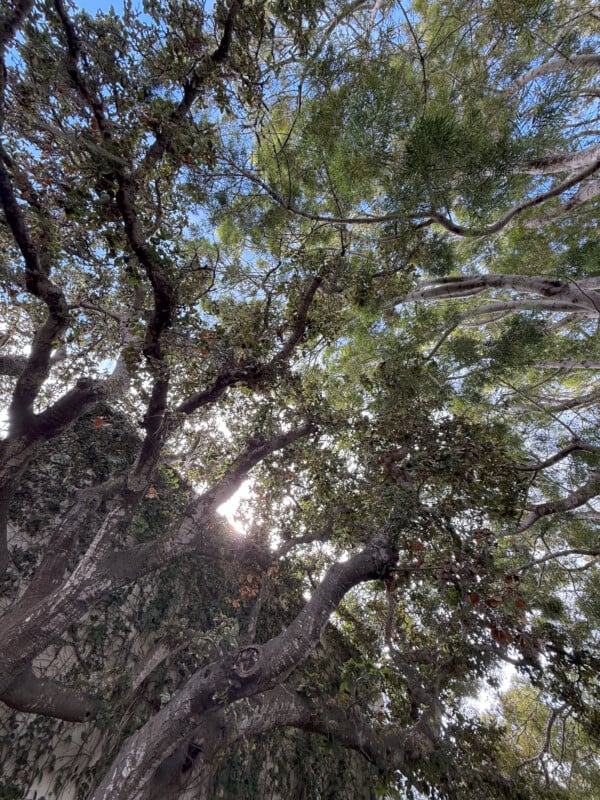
<point>245,246</point>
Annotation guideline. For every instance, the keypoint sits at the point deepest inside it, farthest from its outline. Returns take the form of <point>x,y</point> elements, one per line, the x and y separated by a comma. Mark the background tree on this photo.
<point>344,256</point>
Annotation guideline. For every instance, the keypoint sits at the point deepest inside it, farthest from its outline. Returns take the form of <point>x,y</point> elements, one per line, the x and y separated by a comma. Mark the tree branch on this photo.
<point>532,202</point>
<point>27,629</point>
<point>554,65</point>
<point>593,365</point>
<point>568,503</point>
<point>561,162</point>
<point>566,297</point>
<point>237,473</point>
<point>243,674</point>
<point>74,51</point>
<point>46,697</point>
<point>575,402</point>
<point>284,707</point>
<point>11,21</point>
<point>191,91</point>
<point>559,554</point>
<point>562,454</point>
<point>38,283</point>
<point>12,366</point>
<point>256,374</point>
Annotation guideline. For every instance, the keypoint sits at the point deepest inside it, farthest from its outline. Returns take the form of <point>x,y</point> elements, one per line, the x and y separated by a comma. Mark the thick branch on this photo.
<point>12,366</point>
<point>575,402</point>
<point>595,365</point>
<point>255,453</point>
<point>28,630</point>
<point>82,516</point>
<point>555,65</point>
<point>246,673</point>
<point>283,707</point>
<point>12,20</point>
<point>164,295</point>
<point>161,319</point>
<point>561,162</point>
<point>202,533</point>
<point>574,296</point>
<point>574,500</point>
<point>38,283</point>
<point>42,696</point>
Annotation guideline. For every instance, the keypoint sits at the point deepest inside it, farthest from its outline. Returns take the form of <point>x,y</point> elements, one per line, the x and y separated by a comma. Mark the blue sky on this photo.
<point>99,5</point>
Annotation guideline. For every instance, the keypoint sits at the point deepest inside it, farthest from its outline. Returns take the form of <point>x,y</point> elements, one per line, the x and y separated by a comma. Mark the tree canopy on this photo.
<point>339,259</point>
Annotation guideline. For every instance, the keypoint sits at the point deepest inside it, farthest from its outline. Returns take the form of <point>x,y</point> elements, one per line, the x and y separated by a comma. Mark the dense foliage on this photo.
<point>341,260</point>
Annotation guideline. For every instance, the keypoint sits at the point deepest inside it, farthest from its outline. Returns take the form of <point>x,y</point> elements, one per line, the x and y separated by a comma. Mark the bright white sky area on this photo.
<point>230,508</point>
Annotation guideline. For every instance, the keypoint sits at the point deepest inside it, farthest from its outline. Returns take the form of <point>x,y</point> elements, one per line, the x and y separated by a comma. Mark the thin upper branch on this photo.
<point>572,551</point>
<point>255,374</point>
<point>520,208</point>
<point>191,91</point>
<point>575,445</point>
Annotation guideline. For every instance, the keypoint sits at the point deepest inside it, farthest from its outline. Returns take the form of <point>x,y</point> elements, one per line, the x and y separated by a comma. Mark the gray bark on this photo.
<point>246,673</point>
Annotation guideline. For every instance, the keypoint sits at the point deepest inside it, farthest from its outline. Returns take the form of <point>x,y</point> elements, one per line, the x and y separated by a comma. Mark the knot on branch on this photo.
<point>418,745</point>
<point>384,554</point>
<point>246,661</point>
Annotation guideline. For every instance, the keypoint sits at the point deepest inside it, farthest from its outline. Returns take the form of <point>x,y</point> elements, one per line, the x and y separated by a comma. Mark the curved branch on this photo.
<point>28,629</point>
<point>426,219</point>
<point>575,402</point>
<point>555,65</point>
<point>74,53</point>
<point>243,674</point>
<point>191,91</point>
<point>533,202</point>
<point>562,454</point>
<point>284,707</point>
<point>38,283</point>
<point>574,500</point>
<point>566,297</point>
<point>256,452</point>
<point>253,375</point>
<point>558,554</point>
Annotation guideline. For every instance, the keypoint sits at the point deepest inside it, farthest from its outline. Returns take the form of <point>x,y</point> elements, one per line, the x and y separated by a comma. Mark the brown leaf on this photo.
<point>493,602</point>
<point>501,635</point>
